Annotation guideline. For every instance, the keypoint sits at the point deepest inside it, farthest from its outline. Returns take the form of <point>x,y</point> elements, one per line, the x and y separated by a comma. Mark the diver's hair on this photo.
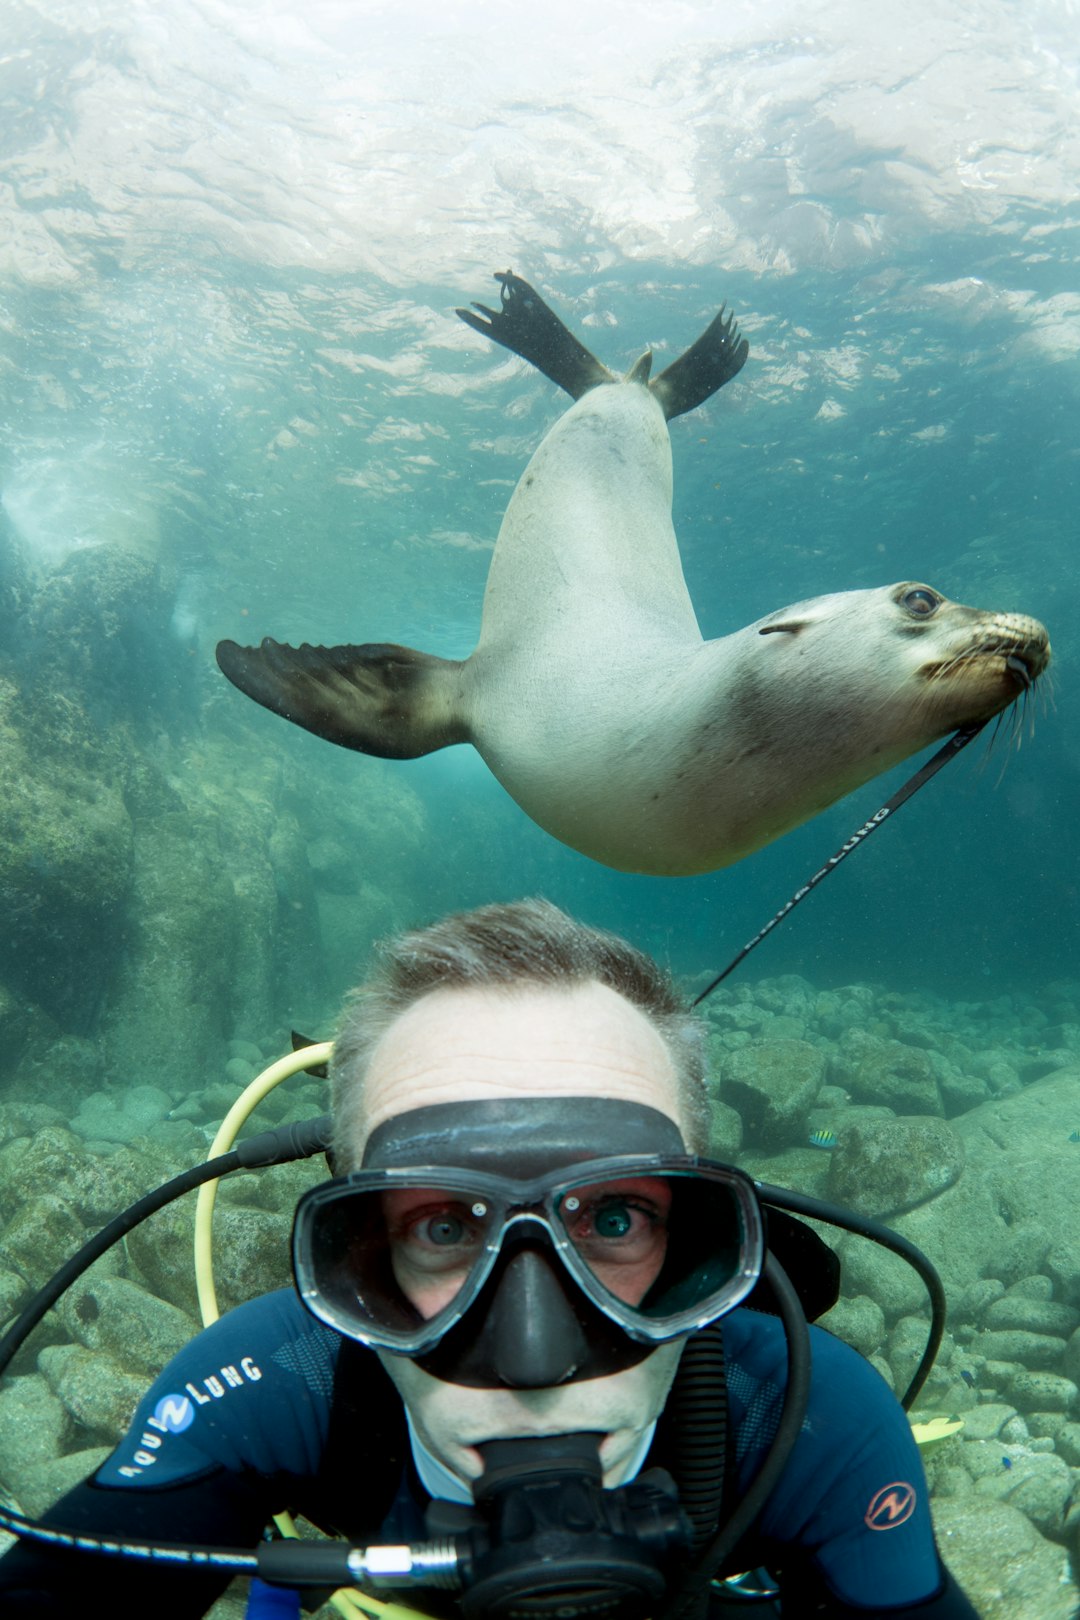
<point>524,942</point>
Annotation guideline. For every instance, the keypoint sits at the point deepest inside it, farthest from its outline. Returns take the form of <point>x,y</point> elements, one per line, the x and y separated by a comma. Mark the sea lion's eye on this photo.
<point>920,602</point>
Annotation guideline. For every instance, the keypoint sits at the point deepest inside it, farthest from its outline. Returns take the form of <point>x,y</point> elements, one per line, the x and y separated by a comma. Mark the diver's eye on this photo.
<point>920,601</point>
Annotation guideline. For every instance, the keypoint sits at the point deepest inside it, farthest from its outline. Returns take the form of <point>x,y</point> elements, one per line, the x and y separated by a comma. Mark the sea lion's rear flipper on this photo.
<point>378,699</point>
<point>526,325</point>
<point>717,356</point>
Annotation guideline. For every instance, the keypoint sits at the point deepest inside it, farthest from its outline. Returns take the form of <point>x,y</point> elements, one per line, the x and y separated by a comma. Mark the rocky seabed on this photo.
<point>957,1123</point>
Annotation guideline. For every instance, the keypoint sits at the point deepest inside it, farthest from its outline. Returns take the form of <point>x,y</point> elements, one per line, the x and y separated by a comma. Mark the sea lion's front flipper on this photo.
<point>378,699</point>
<point>717,356</point>
<point>526,325</point>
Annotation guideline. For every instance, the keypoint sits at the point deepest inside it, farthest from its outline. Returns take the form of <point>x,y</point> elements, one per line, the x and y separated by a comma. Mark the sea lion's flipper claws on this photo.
<point>717,356</point>
<point>379,699</point>
<point>526,325</point>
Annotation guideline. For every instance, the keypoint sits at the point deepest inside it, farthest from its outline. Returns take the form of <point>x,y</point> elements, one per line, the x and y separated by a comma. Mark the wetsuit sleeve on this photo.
<point>223,1439</point>
<point>849,1523</point>
<point>46,1583</point>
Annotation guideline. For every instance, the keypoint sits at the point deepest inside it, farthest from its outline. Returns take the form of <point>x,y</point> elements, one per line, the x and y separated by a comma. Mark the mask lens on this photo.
<point>664,1245</point>
<point>660,1248</point>
<point>391,1262</point>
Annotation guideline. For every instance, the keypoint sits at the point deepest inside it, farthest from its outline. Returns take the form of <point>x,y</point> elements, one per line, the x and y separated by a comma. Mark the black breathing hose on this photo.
<point>863,1226</point>
<point>695,1584</point>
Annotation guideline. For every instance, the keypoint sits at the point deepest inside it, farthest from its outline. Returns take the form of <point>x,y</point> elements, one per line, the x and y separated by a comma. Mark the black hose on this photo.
<point>95,1247</point>
<point>695,1585</point>
<point>697,1409</point>
<point>863,1226</point>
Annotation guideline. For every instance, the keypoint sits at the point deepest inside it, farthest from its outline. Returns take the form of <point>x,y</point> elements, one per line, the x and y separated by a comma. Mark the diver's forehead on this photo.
<point>498,1044</point>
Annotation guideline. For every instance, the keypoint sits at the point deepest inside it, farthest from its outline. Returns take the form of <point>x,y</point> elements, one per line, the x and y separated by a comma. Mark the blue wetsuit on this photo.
<point>268,1409</point>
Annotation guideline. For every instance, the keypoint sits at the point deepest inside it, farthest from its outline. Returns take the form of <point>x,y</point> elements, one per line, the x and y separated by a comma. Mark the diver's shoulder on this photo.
<point>756,1340</point>
<point>269,1323</point>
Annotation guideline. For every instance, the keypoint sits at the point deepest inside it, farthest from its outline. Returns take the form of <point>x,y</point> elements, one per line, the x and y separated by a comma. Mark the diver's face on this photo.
<point>475,1045</point>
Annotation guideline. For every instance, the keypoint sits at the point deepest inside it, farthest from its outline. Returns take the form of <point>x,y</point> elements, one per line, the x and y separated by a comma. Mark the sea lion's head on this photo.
<point>907,648</point>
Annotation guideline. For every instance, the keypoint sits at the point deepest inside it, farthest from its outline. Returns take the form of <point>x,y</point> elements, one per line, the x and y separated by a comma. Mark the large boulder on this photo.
<point>66,859</point>
<point>773,1086</point>
<point>886,1166</point>
<point>1015,1211</point>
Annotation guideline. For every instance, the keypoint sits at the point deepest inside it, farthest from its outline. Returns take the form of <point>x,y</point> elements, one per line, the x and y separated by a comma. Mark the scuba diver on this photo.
<point>540,1360</point>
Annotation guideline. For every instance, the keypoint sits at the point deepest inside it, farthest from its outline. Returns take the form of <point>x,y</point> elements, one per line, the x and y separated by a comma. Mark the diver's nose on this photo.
<point>536,1339</point>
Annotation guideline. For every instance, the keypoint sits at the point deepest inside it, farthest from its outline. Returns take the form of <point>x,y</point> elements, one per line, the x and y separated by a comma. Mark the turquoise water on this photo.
<point>233,252</point>
<point>237,402</point>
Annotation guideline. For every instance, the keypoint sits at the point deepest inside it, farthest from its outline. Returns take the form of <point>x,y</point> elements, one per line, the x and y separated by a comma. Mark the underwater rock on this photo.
<point>333,866</point>
<point>884,1277</point>
<point>14,1292</point>
<point>65,863</point>
<point>15,579</point>
<point>1015,1344</point>
<point>1065,1034</point>
<point>773,1086</point>
<point>220,877</point>
<point>16,1020</point>
<point>960,1090</point>
<point>1019,1310</point>
<point>888,1166</point>
<point>837,1011</point>
<point>725,1131</point>
<point>1071,1360</point>
<point>99,627</point>
<point>170,1006</point>
<point>239,1074</point>
<point>251,1255</point>
<point>1067,1443</point>
<point>1008,1570</point>
<point>40,1236</point>
<point>902,1078</point>
<point>997,1069</point>
<point>100,1395</point>
<point>247,1052</point>
<point>112,1314</point>
<point>121,1116</point>
<point>1022,1251</point>
<point>859,1321</point>
<point>40,1486</point>
<point>971,1301</point>
<point>986,1421</point>
<point>1016,1210</point>
<point>904,1349</point>
<point>94,1188</point>
<point>1035,1068</point>
<point>1037,1391</point>
<point>34,1425</point>
<point>1038,1484</point>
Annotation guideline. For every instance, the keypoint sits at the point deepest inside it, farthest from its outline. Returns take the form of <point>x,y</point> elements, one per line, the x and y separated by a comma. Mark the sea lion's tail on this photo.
<point>529,327</point>
<point>379,699</point>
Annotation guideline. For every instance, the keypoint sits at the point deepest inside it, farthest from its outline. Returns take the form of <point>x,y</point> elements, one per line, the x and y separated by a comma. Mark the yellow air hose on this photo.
<point>349,1602</point>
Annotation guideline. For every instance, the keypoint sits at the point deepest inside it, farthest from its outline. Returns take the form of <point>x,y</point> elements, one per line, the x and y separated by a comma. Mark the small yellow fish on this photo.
<point>822,1139</point>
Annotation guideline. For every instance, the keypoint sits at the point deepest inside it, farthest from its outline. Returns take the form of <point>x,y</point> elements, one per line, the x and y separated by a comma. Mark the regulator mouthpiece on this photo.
<point>547,1542</point>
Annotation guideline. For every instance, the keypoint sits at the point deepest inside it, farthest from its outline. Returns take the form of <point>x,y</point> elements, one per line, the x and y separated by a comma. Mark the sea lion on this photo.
<point>591,694</point>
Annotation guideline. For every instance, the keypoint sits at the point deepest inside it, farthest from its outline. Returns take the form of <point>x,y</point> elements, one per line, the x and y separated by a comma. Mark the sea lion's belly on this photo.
<point>587,537</point>
<point>669,762</point>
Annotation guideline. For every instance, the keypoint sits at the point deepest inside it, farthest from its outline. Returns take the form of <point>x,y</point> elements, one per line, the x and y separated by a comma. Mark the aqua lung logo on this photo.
<point>173,1414</point>
<point>176,1412</point>
<point>892,1506</point>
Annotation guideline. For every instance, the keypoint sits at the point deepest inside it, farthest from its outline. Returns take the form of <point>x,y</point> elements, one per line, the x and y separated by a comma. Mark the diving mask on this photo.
<point>658,1244</point>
